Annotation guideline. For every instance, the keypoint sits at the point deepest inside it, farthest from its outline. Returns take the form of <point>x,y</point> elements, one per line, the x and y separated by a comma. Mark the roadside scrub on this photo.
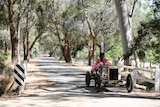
<point>5,74</point>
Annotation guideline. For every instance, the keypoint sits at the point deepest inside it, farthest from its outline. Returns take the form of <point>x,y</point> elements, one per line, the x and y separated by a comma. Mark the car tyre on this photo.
<point>88,79</point>
<point>129,83</point>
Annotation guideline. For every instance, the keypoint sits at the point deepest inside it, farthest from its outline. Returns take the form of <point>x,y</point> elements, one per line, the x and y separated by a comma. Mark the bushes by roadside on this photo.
<point>5,73</point>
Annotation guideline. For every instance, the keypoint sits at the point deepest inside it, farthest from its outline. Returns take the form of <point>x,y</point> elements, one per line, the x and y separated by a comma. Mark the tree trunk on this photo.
<point>26,40</point>
<point>66,50</point>
<point>137,63</point>
<point>89,57</point>
<point>89,51</point>
<point>14,37</point>
<point>94,44</point>
<point>6,47</point>
<point>25,46</point>
<point>125,26</point>
<point>35,40</point>
<point>91,33</point>
<point>66,53</point>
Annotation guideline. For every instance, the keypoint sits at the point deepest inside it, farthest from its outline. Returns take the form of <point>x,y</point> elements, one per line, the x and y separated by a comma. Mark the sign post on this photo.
<point>19,77</point>
<point>102,50</point>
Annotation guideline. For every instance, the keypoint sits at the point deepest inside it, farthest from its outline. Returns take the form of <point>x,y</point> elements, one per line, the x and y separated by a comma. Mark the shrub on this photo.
<point>2,65</point>
<point>5,73</point>
<point>3,85</point>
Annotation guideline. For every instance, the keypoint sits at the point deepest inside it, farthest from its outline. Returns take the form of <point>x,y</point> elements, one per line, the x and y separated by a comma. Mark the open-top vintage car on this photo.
<point>108,76</point>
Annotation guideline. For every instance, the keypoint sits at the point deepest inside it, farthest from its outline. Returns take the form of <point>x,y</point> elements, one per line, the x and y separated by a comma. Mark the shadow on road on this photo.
<point>66,82</point>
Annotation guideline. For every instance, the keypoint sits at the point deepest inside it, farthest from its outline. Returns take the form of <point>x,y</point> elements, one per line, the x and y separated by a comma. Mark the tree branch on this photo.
<point>131,14</point>
<point>90,28</point>
<point>107,27</point>
<point>24,10</point>
<point>14,1</point>
<point>36,38</point>
<point>110,48</point>
<point>31,24</point>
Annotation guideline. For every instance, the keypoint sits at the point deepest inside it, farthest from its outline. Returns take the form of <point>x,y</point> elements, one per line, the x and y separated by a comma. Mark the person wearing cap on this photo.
<point>96,65</point>
<point>106,62</point>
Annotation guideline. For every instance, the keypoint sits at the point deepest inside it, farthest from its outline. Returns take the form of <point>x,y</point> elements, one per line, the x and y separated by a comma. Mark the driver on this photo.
<point>106,62</point>
<point>96,65</point>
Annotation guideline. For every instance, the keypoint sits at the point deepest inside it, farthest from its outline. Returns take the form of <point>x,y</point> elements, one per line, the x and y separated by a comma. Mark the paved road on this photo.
<point>53,84</point>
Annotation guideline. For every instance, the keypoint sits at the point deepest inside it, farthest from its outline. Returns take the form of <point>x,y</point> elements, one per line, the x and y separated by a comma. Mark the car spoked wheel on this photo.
<point>88,79</point>
<point>98,83</point>
<point>129,83</point>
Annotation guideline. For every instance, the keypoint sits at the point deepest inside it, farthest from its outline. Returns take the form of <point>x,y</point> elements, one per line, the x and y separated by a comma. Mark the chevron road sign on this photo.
<point>19,74</point>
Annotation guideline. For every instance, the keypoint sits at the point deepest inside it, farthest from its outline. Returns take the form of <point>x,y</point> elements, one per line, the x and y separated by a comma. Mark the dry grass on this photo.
<point>6,77</point>
<point>3,85</point>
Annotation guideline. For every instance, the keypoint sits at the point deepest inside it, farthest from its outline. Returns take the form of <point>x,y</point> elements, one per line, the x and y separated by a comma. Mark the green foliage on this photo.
<point>78,49</point>
<point>156,9</point>
<point>3,57</point>
<point>2,66</point>
<point>36,51</point>
<point>69,17</point>
<point>141,55</point>
<point>41,23</point>
<point>147,43</point>
<point>3,15</point>
<point>115,52</point>
<point>82,54</point>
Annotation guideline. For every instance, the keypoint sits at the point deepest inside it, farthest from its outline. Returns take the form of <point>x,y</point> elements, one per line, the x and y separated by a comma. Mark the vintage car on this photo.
<point>108,76</point>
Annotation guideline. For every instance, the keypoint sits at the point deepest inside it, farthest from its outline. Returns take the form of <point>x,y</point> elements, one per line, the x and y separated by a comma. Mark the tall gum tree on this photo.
<point>125,25</point>
<point>35,17</point>
<point>98,22</point>
<point>13,29</point>
<point>65,19</point>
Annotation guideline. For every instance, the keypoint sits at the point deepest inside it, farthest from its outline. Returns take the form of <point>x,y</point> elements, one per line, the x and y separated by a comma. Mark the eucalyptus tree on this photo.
<point>4,41</point>
<point>13,29</point>
<point>40,21</point>
<point>22,15</point>
<point>15,12</point>
<point>100,19</point>
<point>125,22</point>
<point>4,34</point>
<point>146,43</point>
<point>3,13</point>
<point>34,18</point>
<point>65,22</point>
<point>28,23</point>
<point>70,24</point>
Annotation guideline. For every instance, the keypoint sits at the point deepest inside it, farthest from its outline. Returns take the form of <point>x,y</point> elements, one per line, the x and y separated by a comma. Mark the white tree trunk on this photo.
<point>125,26</point>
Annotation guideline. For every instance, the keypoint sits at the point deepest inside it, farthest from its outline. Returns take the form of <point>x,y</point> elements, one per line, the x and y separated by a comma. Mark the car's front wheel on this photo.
<point>129,83</point>
<point>88,79</point>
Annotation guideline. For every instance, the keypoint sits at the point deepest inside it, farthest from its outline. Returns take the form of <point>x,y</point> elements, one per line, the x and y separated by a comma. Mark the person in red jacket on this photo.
<point>96,65</point>
<point>106,62</point>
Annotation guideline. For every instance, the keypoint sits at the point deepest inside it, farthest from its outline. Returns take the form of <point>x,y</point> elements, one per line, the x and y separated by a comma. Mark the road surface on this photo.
<point>54,84</point>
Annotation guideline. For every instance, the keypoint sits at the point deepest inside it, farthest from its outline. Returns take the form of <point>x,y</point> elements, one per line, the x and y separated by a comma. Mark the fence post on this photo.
<point>134,77</point>
<point>19,77</point>
<point>25,72</point>
<point>157,79</point>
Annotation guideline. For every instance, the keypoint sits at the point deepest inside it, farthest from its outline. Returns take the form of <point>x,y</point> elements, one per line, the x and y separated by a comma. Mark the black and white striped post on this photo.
<point>19,76</point>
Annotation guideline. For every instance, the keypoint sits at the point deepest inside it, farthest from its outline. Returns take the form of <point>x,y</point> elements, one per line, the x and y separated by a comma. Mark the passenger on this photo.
<point>106,62</point>
<point>96,65</point>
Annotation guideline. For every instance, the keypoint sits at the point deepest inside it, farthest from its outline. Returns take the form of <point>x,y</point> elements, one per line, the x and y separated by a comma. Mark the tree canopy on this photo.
<point>147,42</point>
<point>70,27</point>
